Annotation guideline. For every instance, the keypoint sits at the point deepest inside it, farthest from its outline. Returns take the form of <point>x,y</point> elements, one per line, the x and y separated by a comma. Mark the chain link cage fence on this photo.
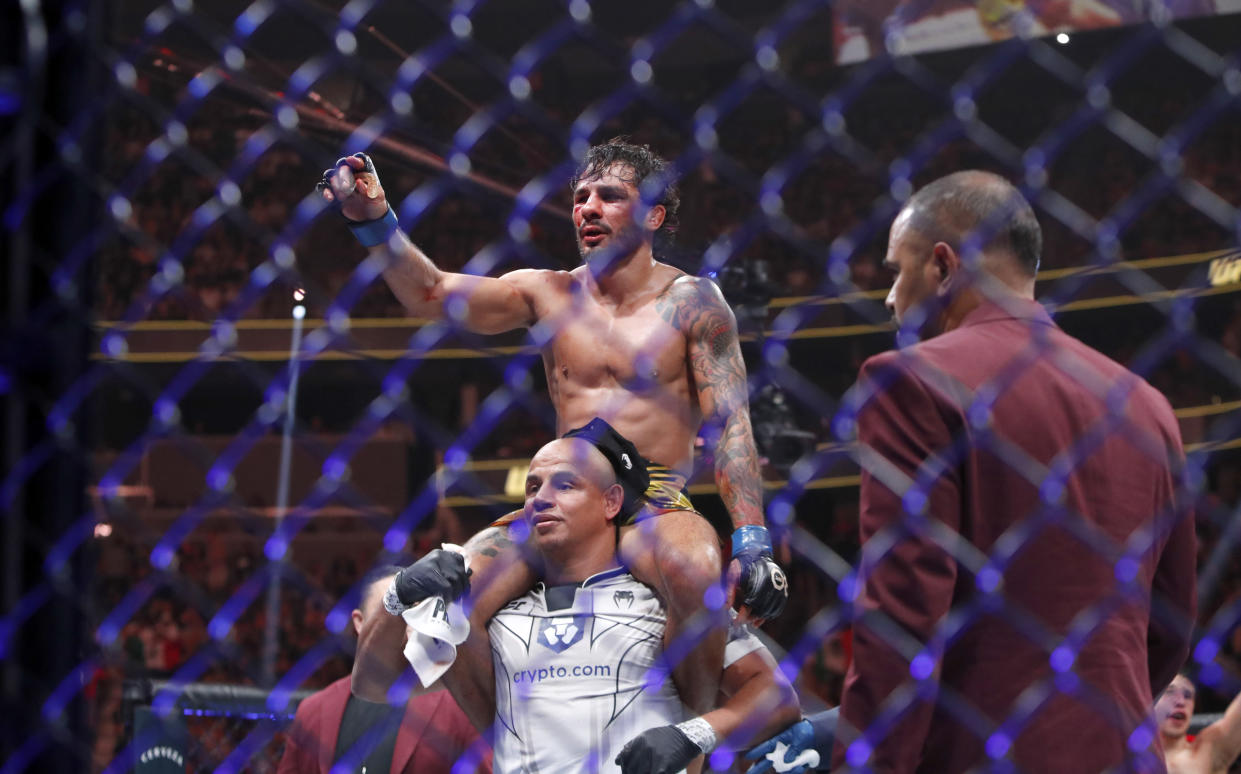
<point>218,417</point>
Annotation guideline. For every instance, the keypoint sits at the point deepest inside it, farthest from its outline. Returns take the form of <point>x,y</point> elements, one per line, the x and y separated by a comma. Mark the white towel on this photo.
<point>806,758</point>
<point>435,627</point>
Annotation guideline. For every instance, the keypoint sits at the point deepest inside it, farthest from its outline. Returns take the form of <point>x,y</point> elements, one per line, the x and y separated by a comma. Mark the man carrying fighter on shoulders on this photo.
<point>567,678</point>
<point>650,349</point>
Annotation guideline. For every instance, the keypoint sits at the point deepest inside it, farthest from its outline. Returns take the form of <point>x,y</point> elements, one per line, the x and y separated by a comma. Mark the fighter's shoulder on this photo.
<point>676,284</point>
<point>685,300</point>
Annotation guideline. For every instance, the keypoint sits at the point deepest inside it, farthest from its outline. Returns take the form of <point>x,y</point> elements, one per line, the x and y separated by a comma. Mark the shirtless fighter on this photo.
<point>1215,747</point>
<point>648,348</point>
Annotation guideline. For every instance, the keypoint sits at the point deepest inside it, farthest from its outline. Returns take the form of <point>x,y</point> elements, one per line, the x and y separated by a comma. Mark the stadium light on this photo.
<point>299,310</point>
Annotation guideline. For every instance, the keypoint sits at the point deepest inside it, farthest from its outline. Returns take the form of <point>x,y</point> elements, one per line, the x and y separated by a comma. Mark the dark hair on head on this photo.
<point>376,574</point>
<point>646,165</point>
<point>971,205</point>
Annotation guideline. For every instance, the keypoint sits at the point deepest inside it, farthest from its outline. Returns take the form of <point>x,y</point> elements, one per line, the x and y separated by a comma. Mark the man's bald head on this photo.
<point>572,501</point>
<point>981,210</point>
<point>589,461</point>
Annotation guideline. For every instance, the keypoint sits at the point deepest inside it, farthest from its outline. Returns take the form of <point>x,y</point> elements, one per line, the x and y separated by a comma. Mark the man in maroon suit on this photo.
<point>427,738</point>
<point>1026,581</point>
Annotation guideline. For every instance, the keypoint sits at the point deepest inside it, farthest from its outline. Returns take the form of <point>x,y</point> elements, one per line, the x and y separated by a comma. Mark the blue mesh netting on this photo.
<point>168,516</point>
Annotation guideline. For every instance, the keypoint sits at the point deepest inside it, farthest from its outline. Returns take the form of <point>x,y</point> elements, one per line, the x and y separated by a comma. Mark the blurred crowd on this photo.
<point>829,191</point>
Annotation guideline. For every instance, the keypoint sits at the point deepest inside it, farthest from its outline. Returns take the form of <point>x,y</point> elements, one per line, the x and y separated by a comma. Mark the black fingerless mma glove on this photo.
<point>763,587</point>
<point>438,574</point>
<point>662,750</point>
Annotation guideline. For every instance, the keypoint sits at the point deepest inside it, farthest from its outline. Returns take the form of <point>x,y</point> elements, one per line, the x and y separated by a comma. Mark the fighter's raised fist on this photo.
<point>353,184</point>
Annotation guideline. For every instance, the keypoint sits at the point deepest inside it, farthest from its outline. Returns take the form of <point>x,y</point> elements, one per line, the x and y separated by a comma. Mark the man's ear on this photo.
<point>614,499</point>
<point>356,617</point>
<point>655,217</point>
<point>946,263</point>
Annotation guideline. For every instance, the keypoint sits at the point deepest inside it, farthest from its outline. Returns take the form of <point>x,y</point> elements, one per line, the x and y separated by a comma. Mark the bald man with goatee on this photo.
<point>1026,581</point>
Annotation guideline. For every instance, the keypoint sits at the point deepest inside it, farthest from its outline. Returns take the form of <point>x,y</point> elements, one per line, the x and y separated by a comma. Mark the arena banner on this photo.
<point>864,28</point>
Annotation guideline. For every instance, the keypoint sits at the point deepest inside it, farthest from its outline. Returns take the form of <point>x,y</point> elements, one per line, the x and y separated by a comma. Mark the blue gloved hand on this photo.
<point>353,187</point>
<point>762,587</point>
<point>792,751</point>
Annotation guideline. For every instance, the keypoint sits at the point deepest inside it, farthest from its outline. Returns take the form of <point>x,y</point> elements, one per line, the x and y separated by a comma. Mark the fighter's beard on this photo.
<point>604,258</point>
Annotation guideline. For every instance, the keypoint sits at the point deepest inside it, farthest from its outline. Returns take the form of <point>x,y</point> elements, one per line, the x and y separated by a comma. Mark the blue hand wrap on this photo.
<point>751,539</point>
<point>375,232</point>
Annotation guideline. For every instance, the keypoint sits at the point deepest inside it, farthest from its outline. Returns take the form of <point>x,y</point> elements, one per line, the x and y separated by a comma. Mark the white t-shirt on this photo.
<point>574,685</point>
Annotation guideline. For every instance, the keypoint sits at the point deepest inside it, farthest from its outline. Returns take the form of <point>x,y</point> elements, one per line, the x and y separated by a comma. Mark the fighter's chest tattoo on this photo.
<point>676,304</point>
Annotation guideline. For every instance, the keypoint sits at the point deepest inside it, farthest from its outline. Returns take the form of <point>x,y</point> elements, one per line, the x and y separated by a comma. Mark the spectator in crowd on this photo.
<point>1213,749</point>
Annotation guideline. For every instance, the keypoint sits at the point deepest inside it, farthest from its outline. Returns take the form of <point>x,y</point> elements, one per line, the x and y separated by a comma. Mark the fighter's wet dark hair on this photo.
<point>645,165</point>
<point>982,205</point>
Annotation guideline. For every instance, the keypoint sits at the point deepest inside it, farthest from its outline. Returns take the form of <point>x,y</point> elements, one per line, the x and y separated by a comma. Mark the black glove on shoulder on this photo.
<point>764,587</point>
<point>662,750</point>
<point>438,574</point>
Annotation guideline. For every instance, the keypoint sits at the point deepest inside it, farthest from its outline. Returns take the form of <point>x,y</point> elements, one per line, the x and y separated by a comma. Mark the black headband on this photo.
<point>623,456</point>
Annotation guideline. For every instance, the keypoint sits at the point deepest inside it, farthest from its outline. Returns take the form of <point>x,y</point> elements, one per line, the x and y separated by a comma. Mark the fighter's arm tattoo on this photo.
<point>490,542</point>
<point>695,306</point>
